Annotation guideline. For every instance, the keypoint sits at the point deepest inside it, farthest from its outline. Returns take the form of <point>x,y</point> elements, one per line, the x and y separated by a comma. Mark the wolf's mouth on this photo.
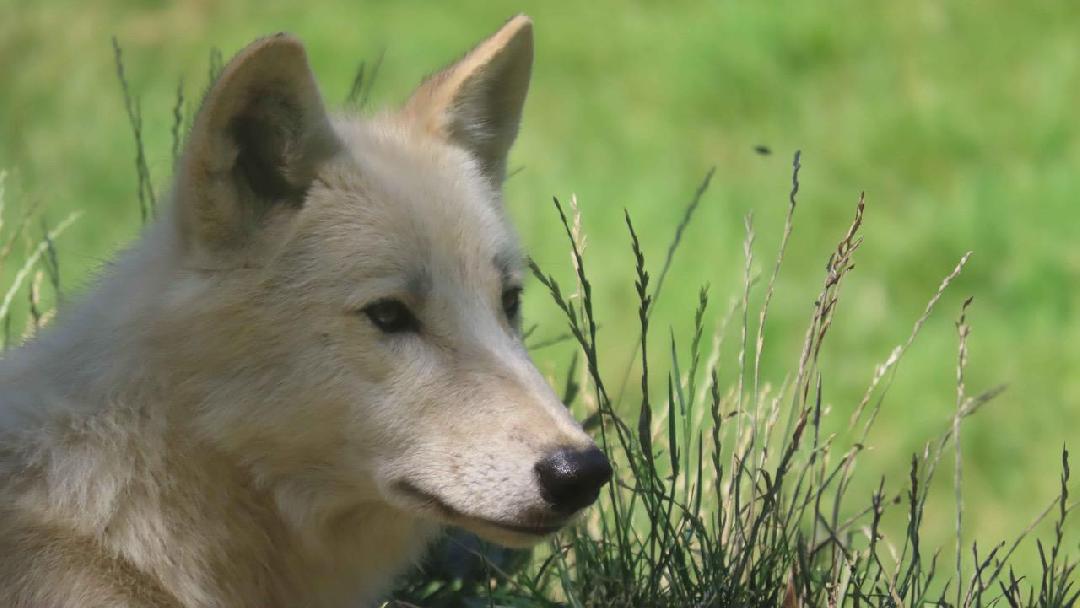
<point>430,500</point>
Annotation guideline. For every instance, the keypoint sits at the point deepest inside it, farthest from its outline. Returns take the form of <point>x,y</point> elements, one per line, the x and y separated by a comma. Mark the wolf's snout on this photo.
<point>571,479</point>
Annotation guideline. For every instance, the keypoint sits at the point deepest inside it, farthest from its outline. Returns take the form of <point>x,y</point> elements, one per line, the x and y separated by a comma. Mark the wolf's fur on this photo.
<point>218,424</point>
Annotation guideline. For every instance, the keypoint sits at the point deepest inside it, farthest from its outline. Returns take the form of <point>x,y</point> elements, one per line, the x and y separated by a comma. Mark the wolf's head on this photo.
<point>355,285</point>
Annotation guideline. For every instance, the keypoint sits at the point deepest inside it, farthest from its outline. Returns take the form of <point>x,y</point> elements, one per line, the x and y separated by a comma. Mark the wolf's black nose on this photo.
<point>571,479</point>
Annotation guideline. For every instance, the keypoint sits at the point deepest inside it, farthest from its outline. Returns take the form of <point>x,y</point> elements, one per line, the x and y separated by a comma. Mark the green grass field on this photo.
<point>957,120</point>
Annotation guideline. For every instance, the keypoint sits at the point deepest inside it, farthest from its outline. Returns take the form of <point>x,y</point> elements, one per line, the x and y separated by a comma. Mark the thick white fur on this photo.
<point>218,425</point>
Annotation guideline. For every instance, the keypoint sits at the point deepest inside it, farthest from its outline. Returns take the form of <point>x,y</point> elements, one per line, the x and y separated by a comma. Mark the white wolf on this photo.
<point>309,365</point>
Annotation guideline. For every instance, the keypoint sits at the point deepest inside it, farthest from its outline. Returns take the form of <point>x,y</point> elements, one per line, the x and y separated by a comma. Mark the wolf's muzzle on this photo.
<point>571,479</point>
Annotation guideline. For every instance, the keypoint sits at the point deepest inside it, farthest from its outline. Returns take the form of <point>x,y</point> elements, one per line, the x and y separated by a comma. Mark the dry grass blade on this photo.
<point>31,260</point>
<point>890,363</point>
<point>748,265</point>
<point>840,262</point>
<point>789,223</point>
<point>963,330</point>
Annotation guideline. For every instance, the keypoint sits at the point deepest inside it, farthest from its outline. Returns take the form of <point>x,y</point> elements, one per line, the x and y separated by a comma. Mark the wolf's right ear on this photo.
<point>476,103</point>
<point>256,144</point>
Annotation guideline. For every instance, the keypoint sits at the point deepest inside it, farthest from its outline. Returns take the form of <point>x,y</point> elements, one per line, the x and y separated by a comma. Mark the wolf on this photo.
<point>304,370</point>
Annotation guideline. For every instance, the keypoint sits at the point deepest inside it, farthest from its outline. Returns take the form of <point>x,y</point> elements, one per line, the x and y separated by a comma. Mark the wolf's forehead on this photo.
<point>402,203</point>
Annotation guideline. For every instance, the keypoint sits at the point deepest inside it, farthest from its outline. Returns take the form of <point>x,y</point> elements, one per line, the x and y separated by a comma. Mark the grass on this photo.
<point>39,259</point>
<point>729,491</point>
<point>955,119</point>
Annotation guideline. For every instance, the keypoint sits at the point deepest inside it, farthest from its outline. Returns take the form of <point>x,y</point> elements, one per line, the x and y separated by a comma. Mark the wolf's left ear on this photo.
<point>255,146</point>
<point>476,103</point>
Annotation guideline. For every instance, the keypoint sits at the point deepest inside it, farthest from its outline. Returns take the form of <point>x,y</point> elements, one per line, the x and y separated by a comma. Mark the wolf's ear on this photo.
<point>476,103</point>
<point>256,144</point>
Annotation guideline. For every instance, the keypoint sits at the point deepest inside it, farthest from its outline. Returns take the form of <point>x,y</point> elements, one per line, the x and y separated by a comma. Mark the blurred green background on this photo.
<point>957,119</point>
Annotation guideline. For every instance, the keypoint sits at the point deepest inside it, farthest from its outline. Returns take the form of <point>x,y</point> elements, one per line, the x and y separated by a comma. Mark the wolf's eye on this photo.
<point>511,302</point>
<point>391,316</point>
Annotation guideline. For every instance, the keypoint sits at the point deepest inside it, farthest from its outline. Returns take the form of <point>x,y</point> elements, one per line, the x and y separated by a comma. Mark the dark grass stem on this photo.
<point>145,189</point>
